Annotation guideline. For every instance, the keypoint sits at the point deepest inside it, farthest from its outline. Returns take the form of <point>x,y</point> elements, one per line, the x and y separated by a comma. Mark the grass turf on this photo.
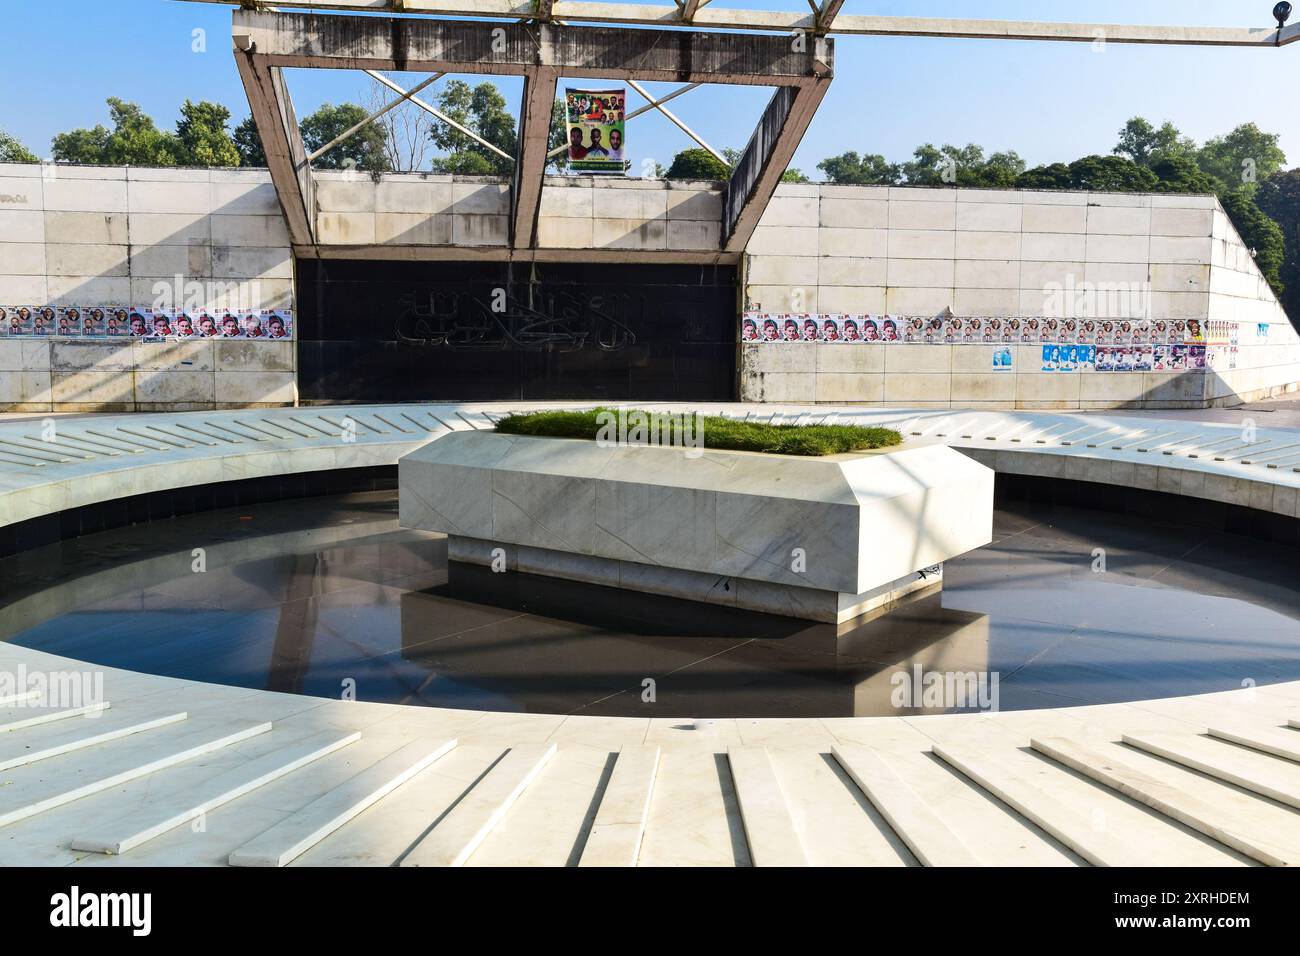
<point>717,432</point>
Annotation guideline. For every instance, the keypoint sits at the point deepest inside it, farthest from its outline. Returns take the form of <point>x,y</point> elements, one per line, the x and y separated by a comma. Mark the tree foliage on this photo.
<point>12,151</point>
<point>850,169</point>
<point>1279,197</point>
<point>364,149</point>
<point>201,136</point>
<point>134,140</point>
<point>481,109</point>
<point>1261,234</point>
<point>1144,143</point>
<point>698,164</point>
<point>1244,157</point>
<point>248,142</point>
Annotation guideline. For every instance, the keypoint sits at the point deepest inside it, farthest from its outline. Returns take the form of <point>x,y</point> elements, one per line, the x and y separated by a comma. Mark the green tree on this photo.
<point>365,148</point>
<point>698,164</point>
<point>134,140</point>
<point>12,151</point>
<point>201,136</point>
<point>1261,235</point>
<point>1143,143</point>
<point>1180,174</point>
<point>1279,197</point>
<point>481,109</point>
<point>1246,156</point>
<point>961,166</point>
<point>850,169</point>
<point>793,175</point>
<point>1055,176</point>
<point>1111,174</point>
<point>81,145</point>
<point>248,141</point>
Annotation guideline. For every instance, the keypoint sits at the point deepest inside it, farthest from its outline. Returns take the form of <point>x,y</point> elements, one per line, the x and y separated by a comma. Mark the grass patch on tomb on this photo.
<point>620,424</point>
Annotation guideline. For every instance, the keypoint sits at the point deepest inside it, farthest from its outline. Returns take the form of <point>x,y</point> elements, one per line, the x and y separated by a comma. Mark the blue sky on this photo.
<point>1049,101</point>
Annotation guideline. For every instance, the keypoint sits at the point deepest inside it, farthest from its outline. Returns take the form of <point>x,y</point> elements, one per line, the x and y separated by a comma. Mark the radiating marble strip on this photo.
<point>304,829</point>
<point>169,808</point>
<point>459,833</point>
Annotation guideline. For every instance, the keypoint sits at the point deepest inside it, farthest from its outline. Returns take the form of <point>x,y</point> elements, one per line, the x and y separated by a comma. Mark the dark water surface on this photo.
<point>321,595</point>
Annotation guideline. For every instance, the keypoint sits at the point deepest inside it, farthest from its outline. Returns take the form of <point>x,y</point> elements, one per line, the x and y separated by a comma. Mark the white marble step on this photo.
<point>1217,822</point>
<point>1103,829</point>
<point>195,740</point>
<point>769,827</point>
<point>167,809</point>
<point>20,718</point>
<point>1269,740</point>
<point>458,834</point>
<point>694,819</point>
<point>836,823</point>
<point>292,836</point>
<point>20,750</point>
<point>1259,773</point>
<point>615,836</point>
<point>927,836</point>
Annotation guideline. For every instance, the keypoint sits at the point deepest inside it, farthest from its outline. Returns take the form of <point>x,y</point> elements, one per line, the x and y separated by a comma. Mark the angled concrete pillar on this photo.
<point>530,164</point>
<point>766,157</point>
<point>286,156</point>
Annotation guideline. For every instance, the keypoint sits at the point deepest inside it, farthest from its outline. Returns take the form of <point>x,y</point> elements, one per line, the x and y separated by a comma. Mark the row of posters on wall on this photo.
<point>1062,357</point>
<point>95,322</point>
<point>761,327</point>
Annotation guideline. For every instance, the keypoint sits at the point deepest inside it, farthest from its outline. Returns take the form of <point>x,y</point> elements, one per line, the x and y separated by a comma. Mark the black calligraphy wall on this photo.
<point>421,331</point>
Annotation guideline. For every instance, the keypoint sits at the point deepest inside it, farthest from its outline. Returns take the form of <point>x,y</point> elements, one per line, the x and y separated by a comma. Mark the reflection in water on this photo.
<point>320,596</point>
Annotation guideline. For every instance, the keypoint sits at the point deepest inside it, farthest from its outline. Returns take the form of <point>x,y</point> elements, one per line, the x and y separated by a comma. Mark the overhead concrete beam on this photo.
<point>286,156</point>
<point>387,43</point>
<point>723,18</point>
<point>530,165</point>
<point>764,161</point>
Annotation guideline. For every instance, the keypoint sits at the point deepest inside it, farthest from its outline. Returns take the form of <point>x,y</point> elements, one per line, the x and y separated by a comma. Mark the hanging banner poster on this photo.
<point>595,126</point>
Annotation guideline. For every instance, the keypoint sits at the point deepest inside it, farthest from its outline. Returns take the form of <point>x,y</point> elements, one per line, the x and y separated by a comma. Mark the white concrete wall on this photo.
<point>424,212</point>
<point>100,236</point>
<point>106,236</point>
<point>908,252</point>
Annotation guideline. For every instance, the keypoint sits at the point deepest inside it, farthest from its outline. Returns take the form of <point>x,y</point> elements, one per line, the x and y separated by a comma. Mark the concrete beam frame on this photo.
<point>267,43</point>
<point>825,19</point>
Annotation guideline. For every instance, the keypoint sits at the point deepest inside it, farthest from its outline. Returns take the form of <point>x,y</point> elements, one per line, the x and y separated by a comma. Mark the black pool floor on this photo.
<point>328,597</point>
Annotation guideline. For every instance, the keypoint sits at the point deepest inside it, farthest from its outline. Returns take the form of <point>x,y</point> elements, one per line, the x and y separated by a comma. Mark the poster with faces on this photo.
<point>992,331</point>
<point>278,323</point>
<point>1011,330</point>
<point>914,329</point>
<point>17,320</point>
<point>1049,330</point>
<point>117,321</point>
<point>44,321</point>
<point>94,322</point>
<point>68,322</point>
<point>828,327</point>
<point>161,323</point>
<point>850,329</point>
<point>139,322</point>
